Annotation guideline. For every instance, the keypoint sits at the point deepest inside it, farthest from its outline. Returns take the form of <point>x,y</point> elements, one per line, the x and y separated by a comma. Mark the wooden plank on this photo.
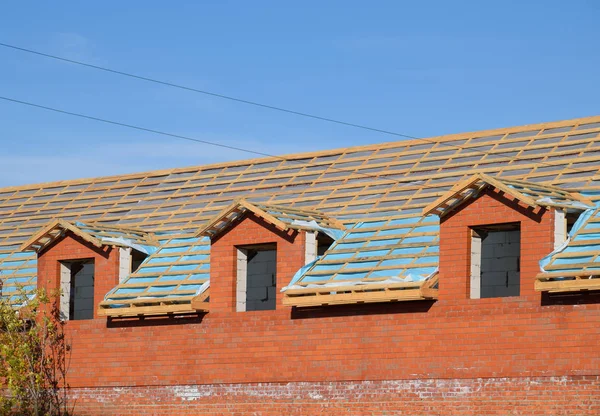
<point>349,298</point>
<point>205,231</point>
<point>146,310</point>
<point>567,285</point>
<point>264,215</point>
<point>375,286</point>
<point>200,302</point>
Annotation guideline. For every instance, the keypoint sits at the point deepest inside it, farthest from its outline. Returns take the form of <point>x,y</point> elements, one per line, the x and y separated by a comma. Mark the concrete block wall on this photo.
<point>500,258</point>
<point>261,281</point>
<point>83,297</point>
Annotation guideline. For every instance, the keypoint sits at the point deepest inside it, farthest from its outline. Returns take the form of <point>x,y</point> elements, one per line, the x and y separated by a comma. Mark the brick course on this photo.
<point>530,354</point>
<point>495,396</point>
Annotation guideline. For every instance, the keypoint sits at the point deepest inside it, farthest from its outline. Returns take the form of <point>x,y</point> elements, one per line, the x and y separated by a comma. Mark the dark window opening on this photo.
<point>137,258</point>
<point>77,290</point>
<point>323,243</point>
<point>495,261</point>
<point>257,278</point>
<point>571,219</point>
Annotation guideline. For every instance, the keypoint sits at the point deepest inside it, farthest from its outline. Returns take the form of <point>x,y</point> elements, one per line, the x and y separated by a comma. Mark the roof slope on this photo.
<point>359,184</point>
<point>170,277</point>
<point>576,264</point>
<point>398,253</point>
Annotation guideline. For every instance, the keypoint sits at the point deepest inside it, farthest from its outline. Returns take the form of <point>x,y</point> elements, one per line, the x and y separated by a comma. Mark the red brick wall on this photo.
<point>494,396</point>
<point>504,355</point>
<point>537,240</point>
<point>71,247</point>
<point>251,230</point>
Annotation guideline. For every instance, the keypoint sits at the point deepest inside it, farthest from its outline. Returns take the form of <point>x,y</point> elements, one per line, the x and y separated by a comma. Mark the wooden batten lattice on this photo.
<point>531,194</point>
<point>366,183</point>
<point>283,218</point>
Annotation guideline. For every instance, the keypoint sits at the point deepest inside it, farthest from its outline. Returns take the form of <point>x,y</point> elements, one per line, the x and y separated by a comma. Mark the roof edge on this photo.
<point>293,156</point>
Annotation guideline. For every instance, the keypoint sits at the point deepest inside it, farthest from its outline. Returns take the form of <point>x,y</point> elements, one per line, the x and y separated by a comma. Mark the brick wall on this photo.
<point>251,231</point>
<point>516,355</point>
<point>70,248</point>
<point>494,396</point>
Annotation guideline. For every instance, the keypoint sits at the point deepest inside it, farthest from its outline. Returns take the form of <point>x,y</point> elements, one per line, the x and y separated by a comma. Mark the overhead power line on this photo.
<point>212,94</point>
<point>177,136</point>
<point>192,139</point>
<point>249,102</point>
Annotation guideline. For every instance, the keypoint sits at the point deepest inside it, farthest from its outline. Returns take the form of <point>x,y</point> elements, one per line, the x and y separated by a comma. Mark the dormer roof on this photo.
<point>529,193</point>
<point>97,235</point>
<point>284,218</point>
<point>360,184</point>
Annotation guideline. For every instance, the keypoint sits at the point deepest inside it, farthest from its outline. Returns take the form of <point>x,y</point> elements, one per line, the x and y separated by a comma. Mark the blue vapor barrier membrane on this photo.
<point>185,268</point>
<point>362,264</point>
<point>327,267</point>
<point>582,220</point>
<point>374,253</point>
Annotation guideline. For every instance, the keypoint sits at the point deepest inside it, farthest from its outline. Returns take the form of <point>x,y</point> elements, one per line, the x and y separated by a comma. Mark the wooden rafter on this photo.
<point>200,302</point>
<point>381,182</point>
<point>530,194</point>
<point>55,230</point>
<point>234,211</point>
<point>575,284</point>
<point>93,234</point>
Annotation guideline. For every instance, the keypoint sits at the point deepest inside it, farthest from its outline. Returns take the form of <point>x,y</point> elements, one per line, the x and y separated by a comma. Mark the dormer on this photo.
<point>493,233</point>
<point>256,249</point>
<point>85,261</point>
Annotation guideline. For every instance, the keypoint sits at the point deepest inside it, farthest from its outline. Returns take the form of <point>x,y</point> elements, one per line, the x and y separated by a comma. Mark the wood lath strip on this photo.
<point>237,209</point>
<point>520,191</point>
<point>374,182</point>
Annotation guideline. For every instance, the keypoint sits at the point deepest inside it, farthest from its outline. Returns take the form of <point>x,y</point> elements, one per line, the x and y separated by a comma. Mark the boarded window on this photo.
<point>256,278</point>
<point>495,261</point>
<point>77,290</point>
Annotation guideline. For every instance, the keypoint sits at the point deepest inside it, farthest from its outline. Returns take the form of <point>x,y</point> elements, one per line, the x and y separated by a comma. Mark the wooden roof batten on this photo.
<point>352,182</point>
<point>57,228</point>
<point>471,187</point>
<point>239,207</point>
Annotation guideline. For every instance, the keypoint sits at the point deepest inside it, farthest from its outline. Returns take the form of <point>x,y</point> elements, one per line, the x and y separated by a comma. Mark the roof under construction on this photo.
<point>375,193</point>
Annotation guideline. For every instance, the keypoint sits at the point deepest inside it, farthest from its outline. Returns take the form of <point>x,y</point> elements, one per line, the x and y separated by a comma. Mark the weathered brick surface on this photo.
<point>530,354</point>
<point>494,396</point>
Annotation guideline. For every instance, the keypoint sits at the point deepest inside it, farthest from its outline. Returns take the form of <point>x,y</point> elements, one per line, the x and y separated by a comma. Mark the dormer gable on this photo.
<point>85,261</point>
<point>256,249</point>
<point>501,228</point>
<point>529,194</point>
<point>94,234</point>
<point>282,218</point>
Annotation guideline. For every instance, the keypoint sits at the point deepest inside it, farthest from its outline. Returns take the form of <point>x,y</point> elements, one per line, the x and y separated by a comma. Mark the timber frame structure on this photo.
<point>378,198</point>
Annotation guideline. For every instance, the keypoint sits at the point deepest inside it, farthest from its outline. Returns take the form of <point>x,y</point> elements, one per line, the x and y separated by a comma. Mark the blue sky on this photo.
<point>421,68</point>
